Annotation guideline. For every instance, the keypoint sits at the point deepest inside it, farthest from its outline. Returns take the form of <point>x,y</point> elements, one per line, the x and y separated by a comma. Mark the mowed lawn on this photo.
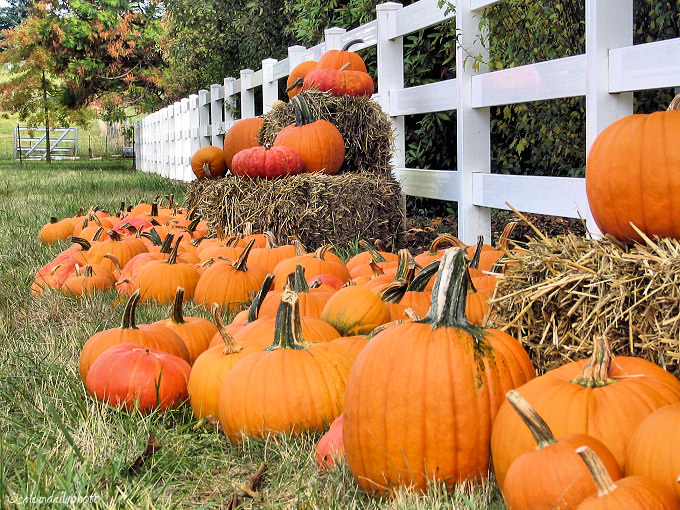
<point>57,442</point>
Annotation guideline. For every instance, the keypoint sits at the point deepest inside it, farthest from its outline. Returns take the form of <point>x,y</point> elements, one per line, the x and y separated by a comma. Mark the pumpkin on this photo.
<point>243,134</point>
<point>123,248</point>
<point>310,302</point>
<point>340,82</point>
<point>195,332</point>
<point>56,230</point>
<point>552,475</point>
<point>335,59</point>
<point>271,254</point>
<point>606,397</point>
<point>228,283</point>
<point>631,177</point>
<point>128,333</point>
<point>631,492</point>
<point>288,387</point>
<point>318,141</point>
<point>330,448</point>
<point>422,395</point>
<point>355,310</point>
<point>88,281</point>
<point>267,162</point>
<point>129,376</point>
<point>370,253</point>
<point>297,75</point>
<point>654,448</point>
<point>208,163</point>
<point>321,261</point>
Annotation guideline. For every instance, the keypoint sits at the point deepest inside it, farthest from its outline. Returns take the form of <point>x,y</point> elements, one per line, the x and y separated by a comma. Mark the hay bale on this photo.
<point>317,208</point>
<point>558,293</point>
<point>366,129</point>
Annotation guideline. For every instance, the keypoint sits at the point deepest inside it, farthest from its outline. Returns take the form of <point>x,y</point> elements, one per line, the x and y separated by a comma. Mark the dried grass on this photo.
<point>558,293</point>
<point>317,208</point>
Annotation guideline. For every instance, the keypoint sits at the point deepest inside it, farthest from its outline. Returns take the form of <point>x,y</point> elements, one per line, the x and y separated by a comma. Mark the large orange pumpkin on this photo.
<point>606,397</point>
<point>335,59</point>
<point>243,134</point>
<point>422,395</point>
<point>297,76</point>
<point>631,176</point>
<point>208,162</point>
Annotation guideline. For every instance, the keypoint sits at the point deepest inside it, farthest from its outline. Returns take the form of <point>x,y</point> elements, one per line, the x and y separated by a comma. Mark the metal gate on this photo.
<point>31,142</point>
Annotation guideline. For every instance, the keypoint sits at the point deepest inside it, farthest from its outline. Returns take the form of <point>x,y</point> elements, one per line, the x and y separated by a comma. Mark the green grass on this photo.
<point>56,441</point>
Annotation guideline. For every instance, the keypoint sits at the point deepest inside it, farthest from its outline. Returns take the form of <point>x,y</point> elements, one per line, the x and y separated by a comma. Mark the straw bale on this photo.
<point>366,129</point>
<point>317,208</point>
<point>558,293</point>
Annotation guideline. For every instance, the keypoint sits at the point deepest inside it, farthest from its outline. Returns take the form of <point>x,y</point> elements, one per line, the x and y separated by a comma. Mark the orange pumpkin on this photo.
<point>297,76</point>
<point>335,59</point>
<point>208,162</point>
<point>243,134</point>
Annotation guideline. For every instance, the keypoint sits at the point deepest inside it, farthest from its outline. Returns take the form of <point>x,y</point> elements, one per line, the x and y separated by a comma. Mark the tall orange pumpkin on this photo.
<point>631,176</point>
<point>422,395</point>
<point>243,134</point>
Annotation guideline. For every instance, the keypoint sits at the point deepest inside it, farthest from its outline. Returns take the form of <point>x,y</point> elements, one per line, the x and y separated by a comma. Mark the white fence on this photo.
<point>607,74</point>
<point>31,142</point>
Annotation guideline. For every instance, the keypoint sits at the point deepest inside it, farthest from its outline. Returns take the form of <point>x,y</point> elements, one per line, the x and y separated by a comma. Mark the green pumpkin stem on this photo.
<point>537,426</point>
<point>241,264</point>
<point>393,292</point>
<point>254,309</point>
<point>474,262</point>
<point>84,243</point>
<point>601,477</point>
<point>375,254</point>
<point>351,43</point>
<point>288,328</point>
<point>128,321</point>
<point>172,259</point>
<point>449,294</point>
<point>300,284</point>
<point>423,277</point>
<point>176,315</point>
<point>303,114</point>
<point>595,373</point>
<point>296,83</point>
<point>115,236</point>
<point>166,245</point>
<point>98,234</point>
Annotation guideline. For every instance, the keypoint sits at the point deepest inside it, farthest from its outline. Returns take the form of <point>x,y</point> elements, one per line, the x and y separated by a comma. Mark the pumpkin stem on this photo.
<point>172,259</point>
<point>474,261</point>
<point>450,294</point>
<point>303,114</point>
<point>375,254</point>
<point>602,478</point>
<point>128,321</point>
<point>98,234</point>
<point>351,43</point>
<point>596,371</point>
<point>84,243</point>
<point>393,292</point>
<point>270,240</point>
<point>166,245</point>
<point>675,103</point>
<point>538,427</point>
<point>299,247</point>
<point>230,345</point>
<point>405,265</point>
<point>295,84</point>
<point>288,328</point>
<point>442,239</point>
<point>176,315</point>
<point>424,276</point>
<point>114,260</point>
<point>115,236</point>
<point>300,284</point>
<point>88,271</point>
<point>241,263</point>
<point>254,309</point>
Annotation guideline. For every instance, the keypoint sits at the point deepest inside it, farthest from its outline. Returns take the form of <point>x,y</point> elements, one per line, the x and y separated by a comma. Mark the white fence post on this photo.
<point>609,25</point>
<point>188,132</point>
<point>473,125</point>
<point>270,86</point>
<point>295,56</point>
<point>165,141</point>
<point>204,117</point>
<point>229,103</point>
<point>391,74</point>
<point>333,38</point>
<point>247,94</point>
<point>195,131</point>
<point>138,137</point>
<point>216,113</point>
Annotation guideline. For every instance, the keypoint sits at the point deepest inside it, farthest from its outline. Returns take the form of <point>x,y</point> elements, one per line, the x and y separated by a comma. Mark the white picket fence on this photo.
<point>607,74</point>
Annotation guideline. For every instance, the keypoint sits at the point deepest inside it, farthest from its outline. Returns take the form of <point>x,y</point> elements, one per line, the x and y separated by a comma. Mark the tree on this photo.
<point>14,13</point>
<point>104,52</point>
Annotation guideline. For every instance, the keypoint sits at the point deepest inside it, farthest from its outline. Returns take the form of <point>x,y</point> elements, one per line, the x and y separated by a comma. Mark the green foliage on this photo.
<point>14,13</point>
<point>204,42</point>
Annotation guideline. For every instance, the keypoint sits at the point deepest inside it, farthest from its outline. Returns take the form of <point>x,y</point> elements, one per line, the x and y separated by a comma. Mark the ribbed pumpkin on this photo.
<point>130,375</point>
<point>267,162</point>
<point>195,332</point>
<point>271,254</point>
<point>335,59</point>
<point>88,280</point>
<point>631,492</point>
<point>127,333</point>
<point>297,76</point>
<point>340,82</point>
<point>56,230</point>
<point>552,475</point>
<point>605,397</point>
<point>231,284</point>
<point>631,176</point>
<point>317,140</point>
<point>311,303</point>
<point>321,261</point>
<point>422,395</point>
<point>121,247</point>
<point>370,253</point>
<point>208,163</point>
<point>241,135</point>
<point>654,449</point>
<point>289,387</point>
<point>355,310</point>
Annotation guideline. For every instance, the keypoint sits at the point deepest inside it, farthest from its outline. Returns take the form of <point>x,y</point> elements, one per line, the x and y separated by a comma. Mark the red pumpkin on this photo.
<point>330,447</point>
<point>340,82</point>
<point>267,162</point>
<point>243,134</point>
<point>130,375</point>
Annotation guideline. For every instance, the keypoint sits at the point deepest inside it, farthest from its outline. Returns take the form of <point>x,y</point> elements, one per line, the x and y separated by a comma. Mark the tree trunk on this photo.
<point>48,156</point>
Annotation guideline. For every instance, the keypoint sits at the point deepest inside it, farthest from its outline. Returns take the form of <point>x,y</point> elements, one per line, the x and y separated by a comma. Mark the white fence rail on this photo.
<point>31,142</point>
<point>607,74</point>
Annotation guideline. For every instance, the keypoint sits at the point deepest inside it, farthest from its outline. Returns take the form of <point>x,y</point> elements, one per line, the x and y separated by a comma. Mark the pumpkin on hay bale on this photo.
<point>317,208</point>
<point>558,293</point>
<point>365,128</point>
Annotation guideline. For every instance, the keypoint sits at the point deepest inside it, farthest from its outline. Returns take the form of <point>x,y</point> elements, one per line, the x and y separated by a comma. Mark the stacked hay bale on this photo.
<point>363,200</point>
<point>558,293</point>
